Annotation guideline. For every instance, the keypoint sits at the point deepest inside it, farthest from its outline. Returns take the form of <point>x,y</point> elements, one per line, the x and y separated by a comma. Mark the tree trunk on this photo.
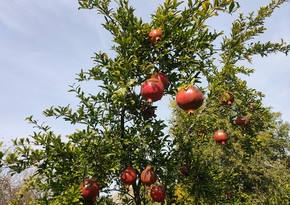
<point>136,190</point>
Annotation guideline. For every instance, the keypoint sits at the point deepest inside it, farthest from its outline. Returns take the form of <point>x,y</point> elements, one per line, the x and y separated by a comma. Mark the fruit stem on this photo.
<point>150,100</point>
<point>136,190</point>
<point>190,112</point>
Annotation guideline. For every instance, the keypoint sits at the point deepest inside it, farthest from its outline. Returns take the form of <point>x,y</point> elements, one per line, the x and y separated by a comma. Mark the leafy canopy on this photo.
<point>251,168</point>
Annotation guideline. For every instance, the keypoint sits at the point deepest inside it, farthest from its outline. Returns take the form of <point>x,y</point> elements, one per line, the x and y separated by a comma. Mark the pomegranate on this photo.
<point>244,120</point>
<point>252,106</point>
<point>148,176</point>
<point>220,136</point>
<point>157,193</point>
<point>163,78</point>
<point>189,99</point>
<point>128,176</point>
<point>228,194</point>
<point>152,90</point>
<point>90,189</point>
<point>228,99</point>
<point>155,35</point>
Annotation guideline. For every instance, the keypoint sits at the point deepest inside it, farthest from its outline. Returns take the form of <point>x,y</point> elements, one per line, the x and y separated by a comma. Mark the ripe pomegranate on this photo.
<point>155,35</point>
<point>228,99</point>
<point>189,99</point>
<point>128,176</point>
<point>148,176</point>
<point>163,78</point>
<point>152,90</point>
<point>220,136</point>
<point>157,193</point>
<point>244,120</point>
<point>90,189</point>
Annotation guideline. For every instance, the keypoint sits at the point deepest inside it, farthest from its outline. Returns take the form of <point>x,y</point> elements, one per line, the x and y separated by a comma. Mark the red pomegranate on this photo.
<point>90,189</point>
<point>128,176</point>
<point>155,35</point>
<point>228,99</point>
<point>158,193</point>
<point>220,136</point>
<point>152,90</point>
<point>189,99</point>
<point>148,176</point>
<point>244,120</point>
<point>164,79</point>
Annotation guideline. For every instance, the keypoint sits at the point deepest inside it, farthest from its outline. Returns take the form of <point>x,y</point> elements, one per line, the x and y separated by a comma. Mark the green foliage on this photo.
<point>2,154</point>
<point>252,165</point>
<point>118,132</point>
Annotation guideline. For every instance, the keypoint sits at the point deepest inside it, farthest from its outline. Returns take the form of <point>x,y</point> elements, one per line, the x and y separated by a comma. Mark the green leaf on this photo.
<point>232,6</point>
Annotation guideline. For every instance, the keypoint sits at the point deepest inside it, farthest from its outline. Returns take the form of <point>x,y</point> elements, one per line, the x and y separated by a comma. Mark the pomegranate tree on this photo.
<point>158,193</point>
<point>155,35</point>
<point>148,176</point>
<point>220,136</point>
<point>128,176</point>
<point>152,90</point>
<point>90,189</point>
<point>189,99</point>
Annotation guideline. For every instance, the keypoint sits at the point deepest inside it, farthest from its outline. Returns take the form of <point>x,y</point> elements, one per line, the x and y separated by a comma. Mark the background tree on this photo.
<point>121,129</point>
<point>12,186</point>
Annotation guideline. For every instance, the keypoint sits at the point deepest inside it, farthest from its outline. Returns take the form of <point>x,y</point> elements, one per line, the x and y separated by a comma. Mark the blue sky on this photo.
<point>43,44</point>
